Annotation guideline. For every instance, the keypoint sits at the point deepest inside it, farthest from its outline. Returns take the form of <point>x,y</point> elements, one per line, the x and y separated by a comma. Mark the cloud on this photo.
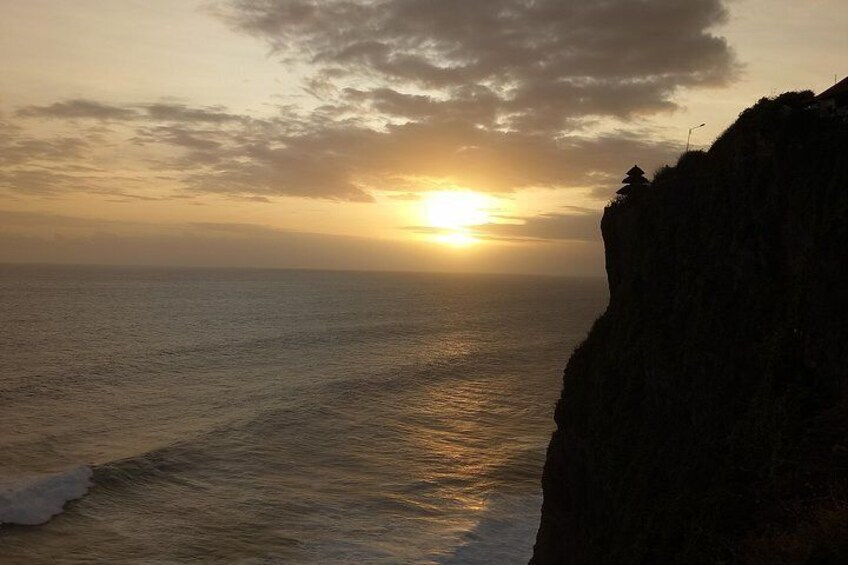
<point>405,197</point>
<point>239,229</point>
<point>575,226</point>
<point>549,227</point>
<point>536,63</point>
<point>182,113</point>
<point>36,182</point>
<point>350,162</point>
<point>95,110</point>
<point>58,163</point>
<point>313,157</point>
<point>78,109</point>
<point>189,138</point>
<point>405,95</point>
<point>477,104</point>
<point>48,238</point>
<point>18,149</point>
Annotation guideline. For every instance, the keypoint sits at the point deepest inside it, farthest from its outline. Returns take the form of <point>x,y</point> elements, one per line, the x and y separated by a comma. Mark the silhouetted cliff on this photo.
<point>703,420</point>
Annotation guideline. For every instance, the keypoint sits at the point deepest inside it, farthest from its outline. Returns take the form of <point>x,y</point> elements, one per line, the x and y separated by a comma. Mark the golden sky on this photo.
<point>455,135</point>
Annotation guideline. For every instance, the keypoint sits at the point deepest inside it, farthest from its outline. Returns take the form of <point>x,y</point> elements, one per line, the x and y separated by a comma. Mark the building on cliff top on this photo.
<point>634,182</point>
<point>834,100</point>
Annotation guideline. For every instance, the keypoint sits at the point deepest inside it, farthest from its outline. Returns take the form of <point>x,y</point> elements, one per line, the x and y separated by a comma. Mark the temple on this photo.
<point>634,182</point>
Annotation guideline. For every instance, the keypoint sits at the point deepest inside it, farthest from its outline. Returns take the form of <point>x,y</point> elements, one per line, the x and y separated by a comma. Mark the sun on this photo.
<point>453,213</point>
<point>455,209</point>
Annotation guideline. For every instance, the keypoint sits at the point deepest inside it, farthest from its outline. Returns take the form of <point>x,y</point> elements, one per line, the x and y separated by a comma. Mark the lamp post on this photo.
<point>689,137</point>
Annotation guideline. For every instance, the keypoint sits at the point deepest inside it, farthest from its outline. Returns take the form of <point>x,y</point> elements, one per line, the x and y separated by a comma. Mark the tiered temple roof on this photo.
<point>635,181</point>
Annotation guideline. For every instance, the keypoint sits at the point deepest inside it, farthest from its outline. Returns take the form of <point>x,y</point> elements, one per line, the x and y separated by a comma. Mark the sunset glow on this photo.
<point>232,133</point>
<point>293,281</point>
<point>455,210</point>
<point>453,213</point>
<point>457,239</point>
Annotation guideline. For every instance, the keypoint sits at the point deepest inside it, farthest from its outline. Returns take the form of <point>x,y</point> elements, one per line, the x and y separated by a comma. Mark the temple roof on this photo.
<point>635,180</point>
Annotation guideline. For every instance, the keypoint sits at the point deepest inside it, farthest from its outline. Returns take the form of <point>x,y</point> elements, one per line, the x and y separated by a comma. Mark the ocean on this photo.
<point>264,417</point>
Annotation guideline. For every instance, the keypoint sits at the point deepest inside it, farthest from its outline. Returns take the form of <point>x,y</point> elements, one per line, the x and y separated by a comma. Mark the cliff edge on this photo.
<point>704,418</point>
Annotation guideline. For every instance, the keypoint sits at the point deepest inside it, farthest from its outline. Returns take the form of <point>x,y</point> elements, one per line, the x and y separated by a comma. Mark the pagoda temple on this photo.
<point>634,182</point>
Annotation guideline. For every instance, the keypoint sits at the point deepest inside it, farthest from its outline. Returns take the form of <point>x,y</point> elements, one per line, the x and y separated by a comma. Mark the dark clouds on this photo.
<point>540,63</point>
<point>320,157</point>
<point>82,109</point>
<point>186,114</point>
<point>78,109</point>
<point>490,95</point>
<point>487,94</point>
<point>16,149</point>
<point>347,161</point>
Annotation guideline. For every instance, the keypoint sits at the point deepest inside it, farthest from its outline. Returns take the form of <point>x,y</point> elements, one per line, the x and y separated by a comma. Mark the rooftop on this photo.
<point>838,89</point>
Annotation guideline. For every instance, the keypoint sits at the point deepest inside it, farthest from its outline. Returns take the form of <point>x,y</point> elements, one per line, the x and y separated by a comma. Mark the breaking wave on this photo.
<point>35,499</point>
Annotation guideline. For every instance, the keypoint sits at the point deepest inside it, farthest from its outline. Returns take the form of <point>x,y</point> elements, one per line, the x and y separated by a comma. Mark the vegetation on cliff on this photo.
<point>704,418</point>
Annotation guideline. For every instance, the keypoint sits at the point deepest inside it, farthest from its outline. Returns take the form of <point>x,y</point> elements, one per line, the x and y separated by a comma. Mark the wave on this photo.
<point>504,534</point>
<point>33,500</point>
<point>165,461</point>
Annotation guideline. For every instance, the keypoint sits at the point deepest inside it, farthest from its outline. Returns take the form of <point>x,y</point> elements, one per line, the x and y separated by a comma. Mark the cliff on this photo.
<point>703,420</point>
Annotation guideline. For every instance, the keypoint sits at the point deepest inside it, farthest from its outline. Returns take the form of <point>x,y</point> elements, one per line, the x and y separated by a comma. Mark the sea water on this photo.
<point>158,416</point>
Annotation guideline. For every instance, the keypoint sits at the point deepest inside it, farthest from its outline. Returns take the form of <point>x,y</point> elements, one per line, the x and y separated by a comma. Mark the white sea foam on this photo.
<point>35,499</point>
<point>505,534</point>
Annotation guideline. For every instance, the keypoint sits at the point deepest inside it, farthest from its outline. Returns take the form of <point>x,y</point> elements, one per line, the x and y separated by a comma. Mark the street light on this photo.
<point>688,137</point>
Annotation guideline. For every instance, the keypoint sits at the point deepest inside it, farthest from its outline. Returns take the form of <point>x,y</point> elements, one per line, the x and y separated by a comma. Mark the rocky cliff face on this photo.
<point>703,420</point>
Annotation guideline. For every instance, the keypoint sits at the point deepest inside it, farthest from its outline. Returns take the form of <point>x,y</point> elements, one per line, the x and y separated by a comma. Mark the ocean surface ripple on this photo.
<point>263,417</point>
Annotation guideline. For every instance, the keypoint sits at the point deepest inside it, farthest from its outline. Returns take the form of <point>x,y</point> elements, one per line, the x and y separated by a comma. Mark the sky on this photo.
<point>426,135</point>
